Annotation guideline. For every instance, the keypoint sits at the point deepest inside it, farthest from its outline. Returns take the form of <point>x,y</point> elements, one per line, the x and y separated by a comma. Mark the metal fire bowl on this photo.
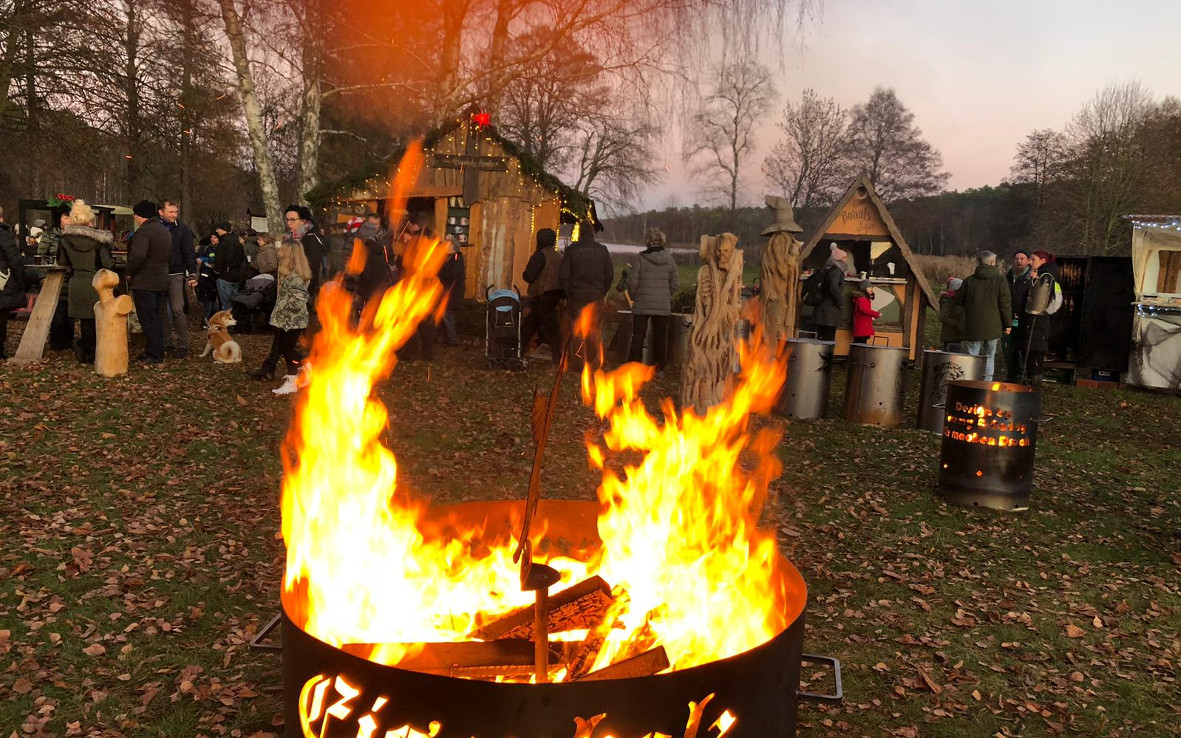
<point>759,687</point>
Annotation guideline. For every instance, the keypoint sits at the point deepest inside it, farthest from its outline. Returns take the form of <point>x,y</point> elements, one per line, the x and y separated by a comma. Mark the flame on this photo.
<point>692,570</point>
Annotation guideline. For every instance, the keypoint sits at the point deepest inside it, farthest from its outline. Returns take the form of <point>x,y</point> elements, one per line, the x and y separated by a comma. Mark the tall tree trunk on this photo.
<point>32,114</point>
<point>504,10</point>
<point>453,15</point>
<point>254,122</point>
<point>130,80</point>
<point>310,136</point>
<point>187,134</point>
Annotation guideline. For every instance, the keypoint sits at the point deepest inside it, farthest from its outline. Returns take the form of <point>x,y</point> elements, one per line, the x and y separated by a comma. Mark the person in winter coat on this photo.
<point>290,316</point>
<point>228,264</point>
<point>84,249</point>
<point>147,275</point>
<point>1033,331</point>
<point>182,274</point>
<point>267,258</point>
<point>545,294</point>
<point>951,317</point>
<point>988,310</point>
<point>828,313</point>
<point>12,273</point>
<point>863,312</point>
<point>586,274</point>
<point>299,224</point>
<point>1019,277</point>
<point>452,275</point>
<point>61,329</point>
<point>207,276</point>
<point>651,281</point>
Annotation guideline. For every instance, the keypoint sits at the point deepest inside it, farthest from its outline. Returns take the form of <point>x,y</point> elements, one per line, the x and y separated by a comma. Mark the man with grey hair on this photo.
<point>988,310</point>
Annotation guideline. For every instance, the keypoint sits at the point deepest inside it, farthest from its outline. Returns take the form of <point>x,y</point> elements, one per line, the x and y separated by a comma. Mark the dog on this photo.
<point>225,349</point>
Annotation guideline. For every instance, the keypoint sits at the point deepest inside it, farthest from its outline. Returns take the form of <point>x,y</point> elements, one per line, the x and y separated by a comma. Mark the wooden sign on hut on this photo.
<point>477,189</point>
<point>862,227</point>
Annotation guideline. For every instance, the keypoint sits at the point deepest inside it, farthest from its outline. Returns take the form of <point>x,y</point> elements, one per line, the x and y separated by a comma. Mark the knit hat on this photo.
<point>546,238</point>
<point>223,226</point>
<point>39,223</point>
<point>954,283</point>
<point>145,209</point>
<point>865,285</point>
<point>353,224</point>
<point>835,251</point>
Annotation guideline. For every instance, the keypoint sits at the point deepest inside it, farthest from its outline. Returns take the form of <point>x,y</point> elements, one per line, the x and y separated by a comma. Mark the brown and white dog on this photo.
<point>225,349</point>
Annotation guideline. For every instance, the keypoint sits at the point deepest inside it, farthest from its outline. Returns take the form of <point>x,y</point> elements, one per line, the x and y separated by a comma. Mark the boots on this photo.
<point>288,387</point>
<point>264,372</point>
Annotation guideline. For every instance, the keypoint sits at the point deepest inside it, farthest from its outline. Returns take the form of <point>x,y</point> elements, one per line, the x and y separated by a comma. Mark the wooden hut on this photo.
<point>860,225</point>
<point>480,190</point>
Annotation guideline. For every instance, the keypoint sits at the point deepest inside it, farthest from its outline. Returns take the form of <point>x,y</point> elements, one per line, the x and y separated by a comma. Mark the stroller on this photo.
<point>502,336</point>
<point>253,301</point>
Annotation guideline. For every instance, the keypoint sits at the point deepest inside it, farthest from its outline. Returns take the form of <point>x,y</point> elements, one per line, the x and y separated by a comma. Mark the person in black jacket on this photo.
<point>585,275</point>
<point>545,294</point>
<point>182,271</point>
<point>452,274</point>
<point>228,264</point>
<point>12,272</point>
<point>1019,278</point>
<point>147,275</point>
<point>832,305</point>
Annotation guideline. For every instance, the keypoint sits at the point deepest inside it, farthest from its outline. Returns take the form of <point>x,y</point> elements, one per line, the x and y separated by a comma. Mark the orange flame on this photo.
<point>692,570</point>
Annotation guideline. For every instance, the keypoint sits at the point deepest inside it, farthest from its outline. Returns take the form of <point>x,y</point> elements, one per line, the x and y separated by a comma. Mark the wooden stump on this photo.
<point>715,317</point>
<point>781,286</point>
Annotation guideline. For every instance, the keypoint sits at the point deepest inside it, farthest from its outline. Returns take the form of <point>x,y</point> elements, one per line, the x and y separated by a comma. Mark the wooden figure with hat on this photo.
<point>781,272</point>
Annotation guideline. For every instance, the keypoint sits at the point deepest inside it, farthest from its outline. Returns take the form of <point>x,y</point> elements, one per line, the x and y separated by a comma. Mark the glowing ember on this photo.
<point>691,570</point>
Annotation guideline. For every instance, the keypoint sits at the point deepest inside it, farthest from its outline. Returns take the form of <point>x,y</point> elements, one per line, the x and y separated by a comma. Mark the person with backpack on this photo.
<point>826,293</point>
<point>1042,299</point>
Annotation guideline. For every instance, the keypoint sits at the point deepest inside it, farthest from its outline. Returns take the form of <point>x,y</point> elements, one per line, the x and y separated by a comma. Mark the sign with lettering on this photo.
<point>470,161</point>
<point>859,218</point>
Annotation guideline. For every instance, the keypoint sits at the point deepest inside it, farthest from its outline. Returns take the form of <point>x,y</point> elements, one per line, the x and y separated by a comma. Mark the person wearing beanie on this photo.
<point>147,274</point>
<point>652,280</point>
<point>951,317</point>
<point>228,264</point>
<point>1019,277</point>
<point>863,312</point>
<point>828,313</point>
<point>541,274</point>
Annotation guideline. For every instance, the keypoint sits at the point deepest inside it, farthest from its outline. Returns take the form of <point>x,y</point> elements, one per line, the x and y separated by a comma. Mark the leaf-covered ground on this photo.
<point>140,523</point>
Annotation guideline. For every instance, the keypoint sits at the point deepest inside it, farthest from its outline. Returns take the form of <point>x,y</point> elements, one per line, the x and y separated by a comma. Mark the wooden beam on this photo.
<point>32,345</point>
<point>579,606</point>
<point>645,664</point>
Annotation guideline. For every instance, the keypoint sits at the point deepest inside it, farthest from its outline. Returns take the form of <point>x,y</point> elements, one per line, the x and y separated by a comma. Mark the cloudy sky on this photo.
<point>978,74</point>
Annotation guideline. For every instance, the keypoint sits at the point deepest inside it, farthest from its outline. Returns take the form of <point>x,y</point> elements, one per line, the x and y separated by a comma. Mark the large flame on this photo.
<point>691,569</point>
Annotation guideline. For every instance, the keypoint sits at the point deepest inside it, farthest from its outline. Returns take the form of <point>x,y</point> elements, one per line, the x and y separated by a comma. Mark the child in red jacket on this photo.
<point>863,313</point>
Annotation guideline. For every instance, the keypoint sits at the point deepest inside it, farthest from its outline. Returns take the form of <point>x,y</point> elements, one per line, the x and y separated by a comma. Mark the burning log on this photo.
<point>645,664</point>
<point>577,607</point>
<point>471,659</point>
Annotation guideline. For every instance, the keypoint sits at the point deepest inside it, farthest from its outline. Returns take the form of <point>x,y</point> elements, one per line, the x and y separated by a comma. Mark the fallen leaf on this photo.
<point>1073,631</point>
<point>95,649</point>
<point>1097,622</point>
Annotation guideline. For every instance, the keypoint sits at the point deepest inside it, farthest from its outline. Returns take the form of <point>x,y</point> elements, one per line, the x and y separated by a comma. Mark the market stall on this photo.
<point>479,190</point>
<point>860,224</point>
<point>1155,359</point>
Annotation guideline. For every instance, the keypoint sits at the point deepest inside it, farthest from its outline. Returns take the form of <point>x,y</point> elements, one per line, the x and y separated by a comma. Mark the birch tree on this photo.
<point>807,163</point>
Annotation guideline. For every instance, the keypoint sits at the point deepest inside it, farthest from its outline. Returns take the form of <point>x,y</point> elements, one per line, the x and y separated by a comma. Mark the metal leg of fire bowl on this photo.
<point>839,696</point>
<point>257,641</point>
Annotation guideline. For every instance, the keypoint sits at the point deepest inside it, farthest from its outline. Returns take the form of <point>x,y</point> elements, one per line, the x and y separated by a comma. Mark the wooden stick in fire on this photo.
<point>539,578</point>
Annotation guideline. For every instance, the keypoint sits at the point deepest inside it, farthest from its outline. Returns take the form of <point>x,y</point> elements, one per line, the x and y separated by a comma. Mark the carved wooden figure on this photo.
<point>715,317</point>
<point>110,315</point>
<point>781,273</point>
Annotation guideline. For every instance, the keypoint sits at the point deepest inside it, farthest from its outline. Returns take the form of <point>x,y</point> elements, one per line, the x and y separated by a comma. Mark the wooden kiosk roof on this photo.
<point>854,215</point>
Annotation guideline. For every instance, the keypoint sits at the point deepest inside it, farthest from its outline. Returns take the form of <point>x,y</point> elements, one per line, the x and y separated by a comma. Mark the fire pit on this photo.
<point>662,609</point>
<point>752,694</point>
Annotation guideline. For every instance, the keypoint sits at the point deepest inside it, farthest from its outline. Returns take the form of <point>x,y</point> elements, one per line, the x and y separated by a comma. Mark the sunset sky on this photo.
<point>978,74</point>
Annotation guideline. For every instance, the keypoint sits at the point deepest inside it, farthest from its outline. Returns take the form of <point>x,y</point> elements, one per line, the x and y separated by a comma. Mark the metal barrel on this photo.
<point>680,326</point>
<point>809,375</point>
<point>939,368</point>
<point>873,395</point>
<point>989,441</point>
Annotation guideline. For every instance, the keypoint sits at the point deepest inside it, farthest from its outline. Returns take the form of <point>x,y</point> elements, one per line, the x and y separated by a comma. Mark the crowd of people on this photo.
<point>988,309</point>
<point>170,274</point>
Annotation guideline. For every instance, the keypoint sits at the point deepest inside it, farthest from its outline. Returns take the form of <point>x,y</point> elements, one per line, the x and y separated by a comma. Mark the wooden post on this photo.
<point>32,345</point>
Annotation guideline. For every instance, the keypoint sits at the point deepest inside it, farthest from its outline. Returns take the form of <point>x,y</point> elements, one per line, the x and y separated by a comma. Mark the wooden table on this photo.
<point>32,346</point>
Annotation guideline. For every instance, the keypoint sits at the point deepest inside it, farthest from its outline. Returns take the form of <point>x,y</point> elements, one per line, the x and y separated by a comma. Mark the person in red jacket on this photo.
<point>863,313</point>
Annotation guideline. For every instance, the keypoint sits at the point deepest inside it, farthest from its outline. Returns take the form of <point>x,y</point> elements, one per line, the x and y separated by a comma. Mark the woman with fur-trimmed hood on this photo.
<point>84,249</point>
